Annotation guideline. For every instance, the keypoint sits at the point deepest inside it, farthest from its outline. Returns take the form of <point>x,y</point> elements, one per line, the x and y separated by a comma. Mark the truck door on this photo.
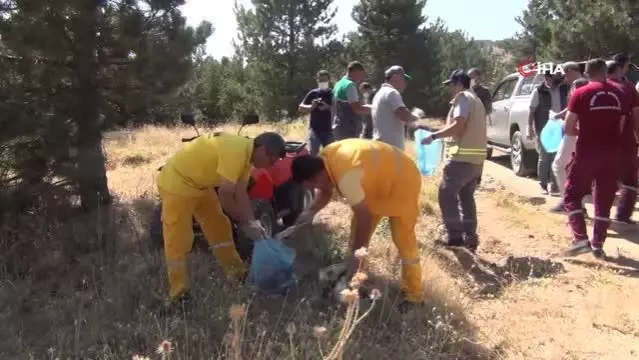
<point>498,125</point>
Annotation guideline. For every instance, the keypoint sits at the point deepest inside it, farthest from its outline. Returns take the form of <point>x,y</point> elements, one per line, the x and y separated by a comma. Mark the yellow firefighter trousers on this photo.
<point>177,225</point>
<point>403,234</point>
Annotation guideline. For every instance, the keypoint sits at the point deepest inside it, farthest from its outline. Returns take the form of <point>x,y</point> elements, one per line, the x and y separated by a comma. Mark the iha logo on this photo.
<point>526,67</point>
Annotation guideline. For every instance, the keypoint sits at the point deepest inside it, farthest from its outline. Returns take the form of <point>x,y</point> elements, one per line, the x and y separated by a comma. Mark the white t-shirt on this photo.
<point>388,127</point>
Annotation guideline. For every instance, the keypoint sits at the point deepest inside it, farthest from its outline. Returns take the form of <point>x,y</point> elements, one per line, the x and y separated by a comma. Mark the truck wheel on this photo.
<point>265,214</point>
<point>521,160</point>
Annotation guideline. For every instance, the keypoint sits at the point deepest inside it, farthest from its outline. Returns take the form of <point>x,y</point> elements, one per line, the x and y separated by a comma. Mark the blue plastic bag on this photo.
<point>428,156</point>
<point>551,134</point>
<point>272,267</point>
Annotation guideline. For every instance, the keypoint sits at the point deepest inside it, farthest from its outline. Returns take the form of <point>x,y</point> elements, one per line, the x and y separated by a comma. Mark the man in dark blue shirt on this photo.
<point>318,103</point>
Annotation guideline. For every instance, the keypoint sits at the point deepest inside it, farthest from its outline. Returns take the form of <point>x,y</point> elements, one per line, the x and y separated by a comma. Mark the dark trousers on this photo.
<point>628,178</point>
<point>599,172</point>
<point>318,139</point>
<point>367,127</point>
<point>349,131</point>
<point>457,199</point>
<point>544,167</point>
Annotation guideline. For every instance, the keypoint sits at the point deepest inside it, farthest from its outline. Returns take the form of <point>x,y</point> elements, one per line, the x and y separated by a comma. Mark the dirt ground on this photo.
<point>587,311</point>
<point>96,293</point>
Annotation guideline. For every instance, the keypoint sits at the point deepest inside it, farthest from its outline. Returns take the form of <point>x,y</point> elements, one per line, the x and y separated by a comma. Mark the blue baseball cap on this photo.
<point>457,76</point>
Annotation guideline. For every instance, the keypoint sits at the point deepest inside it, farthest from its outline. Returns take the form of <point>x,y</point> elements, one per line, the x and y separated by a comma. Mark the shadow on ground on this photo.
<point>90,286</point>
<point>532,200</point>
<point>489,279</point>
<point>624,231</point>
<point>619,265</point>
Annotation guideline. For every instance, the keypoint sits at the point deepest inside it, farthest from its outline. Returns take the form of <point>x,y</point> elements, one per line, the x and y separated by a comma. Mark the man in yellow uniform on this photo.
<point>377,180</point>
<point>186,185</point>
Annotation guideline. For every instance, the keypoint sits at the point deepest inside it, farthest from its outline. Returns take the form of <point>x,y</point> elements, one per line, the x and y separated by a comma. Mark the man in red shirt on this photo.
<point>600,108</point>
<point>629,165</point>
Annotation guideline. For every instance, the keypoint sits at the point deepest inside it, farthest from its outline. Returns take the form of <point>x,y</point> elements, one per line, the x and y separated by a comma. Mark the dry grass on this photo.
<point>91,287</point>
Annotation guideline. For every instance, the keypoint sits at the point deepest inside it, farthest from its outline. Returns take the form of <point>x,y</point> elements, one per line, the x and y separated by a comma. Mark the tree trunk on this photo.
<point>91,172</point>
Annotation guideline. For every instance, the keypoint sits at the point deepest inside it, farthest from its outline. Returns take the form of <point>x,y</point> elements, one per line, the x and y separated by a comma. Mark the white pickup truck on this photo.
<point>506,125</point>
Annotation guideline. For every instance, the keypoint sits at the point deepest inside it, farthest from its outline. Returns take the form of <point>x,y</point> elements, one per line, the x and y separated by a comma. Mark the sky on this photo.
<point>483,20</point>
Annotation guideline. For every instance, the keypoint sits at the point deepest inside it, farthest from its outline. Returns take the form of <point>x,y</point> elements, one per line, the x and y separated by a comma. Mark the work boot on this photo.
<point>579,247</point>
<point>471,242</point>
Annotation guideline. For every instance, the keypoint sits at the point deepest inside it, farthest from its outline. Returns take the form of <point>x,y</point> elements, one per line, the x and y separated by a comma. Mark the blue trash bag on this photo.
<point>428,156</point>
<point>551,134</point>
<point>272,267</point>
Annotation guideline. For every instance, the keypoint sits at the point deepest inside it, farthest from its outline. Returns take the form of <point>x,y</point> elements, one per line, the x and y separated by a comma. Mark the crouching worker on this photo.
<point>186,185</point>
<point>377,180</point>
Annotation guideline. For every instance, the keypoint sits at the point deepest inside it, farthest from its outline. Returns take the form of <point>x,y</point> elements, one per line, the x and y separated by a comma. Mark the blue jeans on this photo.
<point>317,139</point>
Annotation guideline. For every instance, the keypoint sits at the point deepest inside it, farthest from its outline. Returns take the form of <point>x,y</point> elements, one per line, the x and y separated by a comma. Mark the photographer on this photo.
<point>318,103</point>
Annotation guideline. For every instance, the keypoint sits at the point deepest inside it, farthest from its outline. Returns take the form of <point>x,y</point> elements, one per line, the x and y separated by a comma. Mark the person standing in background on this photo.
<point>628,155</point>
<point>390,115</point>
<point>348,108</point>
<point>318,103</point>
<point>600,109</point>
<point>367,95</point>
<point>549,95</point>
<point>480,90</point>
<point>466,142</point>
<point>483,93</point>
<point>574,79</point>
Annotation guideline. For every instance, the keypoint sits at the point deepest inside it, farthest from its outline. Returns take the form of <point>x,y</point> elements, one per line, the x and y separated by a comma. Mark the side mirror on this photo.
<point>188,119</point>
<point>250,119</point>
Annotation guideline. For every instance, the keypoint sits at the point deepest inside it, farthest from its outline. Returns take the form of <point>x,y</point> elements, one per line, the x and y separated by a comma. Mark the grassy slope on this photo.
<point>92,287</point>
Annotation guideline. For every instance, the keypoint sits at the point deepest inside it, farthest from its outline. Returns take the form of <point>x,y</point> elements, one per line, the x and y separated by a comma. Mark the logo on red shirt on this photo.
<point>605,103</point>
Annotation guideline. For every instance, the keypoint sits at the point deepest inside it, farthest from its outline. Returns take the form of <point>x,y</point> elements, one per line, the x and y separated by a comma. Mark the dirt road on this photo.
<point>622,238</point>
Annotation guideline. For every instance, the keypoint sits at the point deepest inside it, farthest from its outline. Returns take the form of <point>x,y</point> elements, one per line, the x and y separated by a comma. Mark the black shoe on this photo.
<point>471,242</point>
<point>626,221</point>
<point>407,306</point>
<point>599,253</point>
<point>559,208</point>
<point>578,247</point>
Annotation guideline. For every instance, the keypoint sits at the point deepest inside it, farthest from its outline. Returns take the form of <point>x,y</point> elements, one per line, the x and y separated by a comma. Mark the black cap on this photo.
<point>273,143</point>
<point>458,76</point>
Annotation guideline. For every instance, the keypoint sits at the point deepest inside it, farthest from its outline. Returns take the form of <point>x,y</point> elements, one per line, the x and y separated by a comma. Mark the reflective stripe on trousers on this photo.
<point>405,240</point>
<point>177,225</point>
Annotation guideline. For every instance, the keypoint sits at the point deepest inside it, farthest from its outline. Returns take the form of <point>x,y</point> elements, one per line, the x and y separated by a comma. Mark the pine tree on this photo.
<point>282,43</point>
<point>70,68</point>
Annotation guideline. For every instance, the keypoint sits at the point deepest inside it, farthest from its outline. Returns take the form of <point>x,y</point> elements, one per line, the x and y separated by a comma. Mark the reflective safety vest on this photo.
<point>470,146</point>
<point>390,178</point>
